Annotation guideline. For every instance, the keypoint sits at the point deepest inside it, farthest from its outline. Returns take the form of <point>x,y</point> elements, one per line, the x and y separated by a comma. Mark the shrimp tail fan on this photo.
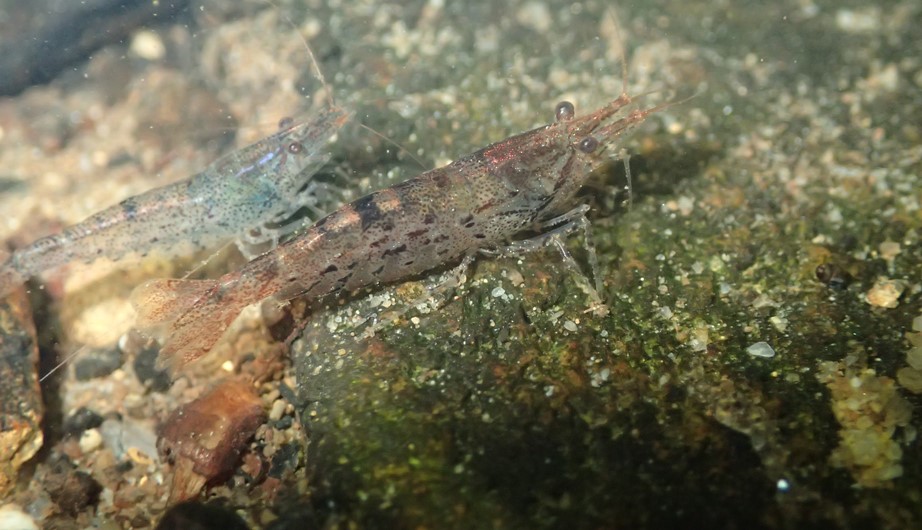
<point>191,315</point>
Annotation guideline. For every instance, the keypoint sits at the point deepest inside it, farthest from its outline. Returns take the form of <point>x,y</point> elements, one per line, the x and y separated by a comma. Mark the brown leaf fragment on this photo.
<point>204,439</point>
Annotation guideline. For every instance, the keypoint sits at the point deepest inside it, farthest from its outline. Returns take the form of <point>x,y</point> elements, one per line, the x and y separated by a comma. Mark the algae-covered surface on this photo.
<point>756,358</point>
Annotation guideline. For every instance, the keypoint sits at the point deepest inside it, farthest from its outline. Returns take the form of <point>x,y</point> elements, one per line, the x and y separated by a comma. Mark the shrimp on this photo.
<point>475,205</point>
<point>237,195</point>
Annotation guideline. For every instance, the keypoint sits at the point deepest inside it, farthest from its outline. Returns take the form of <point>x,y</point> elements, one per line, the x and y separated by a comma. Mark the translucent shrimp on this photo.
<point>240,195</point>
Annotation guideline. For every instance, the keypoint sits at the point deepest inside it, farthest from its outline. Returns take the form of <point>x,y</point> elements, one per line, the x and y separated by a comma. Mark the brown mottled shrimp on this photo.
<point>477,204</point>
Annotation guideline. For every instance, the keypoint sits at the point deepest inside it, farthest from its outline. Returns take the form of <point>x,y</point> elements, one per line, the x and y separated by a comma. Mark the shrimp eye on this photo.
<point>588,144</point>
<point>286,122</point>
<point>564,111</point>
<point>295,148</point>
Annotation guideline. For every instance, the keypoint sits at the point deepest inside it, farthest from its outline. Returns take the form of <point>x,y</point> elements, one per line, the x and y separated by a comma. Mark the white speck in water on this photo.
<point>783,485</point>
<point>569,325</point>
<point>148,45</point>
<point>497,292</point>
<point>761,349</point>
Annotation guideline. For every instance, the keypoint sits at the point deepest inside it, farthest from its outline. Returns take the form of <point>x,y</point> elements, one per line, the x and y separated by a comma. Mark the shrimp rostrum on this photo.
<point>241,195</point>
<point>477,204</point>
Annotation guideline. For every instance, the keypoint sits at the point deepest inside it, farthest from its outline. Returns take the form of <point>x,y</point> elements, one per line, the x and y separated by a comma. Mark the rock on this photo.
<point>70,489</point>
<point>21,406</point>
<point>145,367</point>
<point>197,516</point>
<point>13,518</point>
<point>81,420</point>
<point>97,362</point>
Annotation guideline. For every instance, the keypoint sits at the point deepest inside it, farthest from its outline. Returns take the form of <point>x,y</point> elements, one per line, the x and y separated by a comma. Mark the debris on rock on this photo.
<point>869,408</point>
<point>886,293</point>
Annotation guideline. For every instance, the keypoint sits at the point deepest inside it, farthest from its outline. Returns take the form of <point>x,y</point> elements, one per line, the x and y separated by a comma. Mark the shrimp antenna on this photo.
<point>616,23</point>
<point>62,363</point>
<point>310,52</point>
<point>626,160</point>
<point>395,144</point>
<point>322,79</point>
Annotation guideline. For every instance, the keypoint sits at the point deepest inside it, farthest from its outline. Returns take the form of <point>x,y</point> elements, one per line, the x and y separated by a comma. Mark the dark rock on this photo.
<point>71,490</point>
<point>286,458</point>
<point>197,516</point>
<point>97,362</point>
<point>81,420</point>
<point>145,367</point>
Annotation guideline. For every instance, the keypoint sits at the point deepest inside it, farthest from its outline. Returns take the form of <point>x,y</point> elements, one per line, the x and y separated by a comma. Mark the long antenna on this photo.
<point>62,363</point>
<point>616,22</point>
<point>310,52</point>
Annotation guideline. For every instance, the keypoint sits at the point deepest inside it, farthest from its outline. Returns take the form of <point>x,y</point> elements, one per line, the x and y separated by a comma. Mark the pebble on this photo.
<point>145,367</point>
<point>889,250</point>
<point>914,357</point>
<point>910,379</point>
<point>13,518</point>
<point>761,349</point>
<point>90,440</point>
<point>277,410</point>
<point>80,420</point>
<point>97,362</point>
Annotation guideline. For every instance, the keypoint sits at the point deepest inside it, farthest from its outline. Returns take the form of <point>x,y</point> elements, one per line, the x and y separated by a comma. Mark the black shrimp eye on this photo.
<point>295,148</point>
<point>588,144</point>
<point>564,111</point>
